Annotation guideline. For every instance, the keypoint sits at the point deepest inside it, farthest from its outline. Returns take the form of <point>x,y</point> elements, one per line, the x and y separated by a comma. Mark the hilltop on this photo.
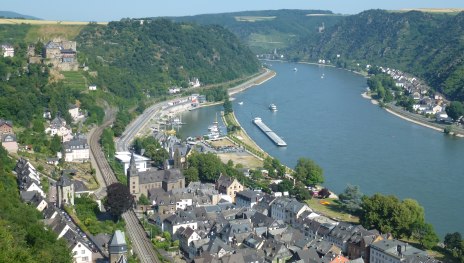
<point>10,14</point>
<point>264,31</point>
<point>428,45</point>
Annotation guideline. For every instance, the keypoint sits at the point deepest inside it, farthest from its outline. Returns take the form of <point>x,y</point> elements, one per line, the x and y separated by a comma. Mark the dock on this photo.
<point>272,135</point>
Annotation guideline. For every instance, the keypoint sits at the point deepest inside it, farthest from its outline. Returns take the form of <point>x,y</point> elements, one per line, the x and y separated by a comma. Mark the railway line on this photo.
<point>142,245</point>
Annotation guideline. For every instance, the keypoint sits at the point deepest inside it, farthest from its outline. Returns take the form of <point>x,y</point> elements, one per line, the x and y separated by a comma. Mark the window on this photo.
<point>85,259</point>
<point>75,252</point>
<point>82,251</point>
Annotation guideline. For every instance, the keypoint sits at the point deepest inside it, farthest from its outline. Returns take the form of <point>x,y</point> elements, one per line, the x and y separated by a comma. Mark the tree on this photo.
<point>453,240</point>
<point>455,110</point>
<point>285,186</point>
<point>143,200</point>
<point>351,198</point>
<point>227,106</point>
<point>308,172</point>
<point>324,193</point>
<point>426,235</point>
<point>119,199</point>
<point>390,215</point>
<point>191,175</point>
<point>55,144</point>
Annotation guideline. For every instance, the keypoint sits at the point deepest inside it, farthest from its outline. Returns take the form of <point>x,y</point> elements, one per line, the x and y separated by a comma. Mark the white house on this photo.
<point>58,126</point>
<point>140,161</point>
<point>194,83</point>
<point>93,87</point>
<point>80,252</point>
<point>8,51</point>
<point>77,149</point>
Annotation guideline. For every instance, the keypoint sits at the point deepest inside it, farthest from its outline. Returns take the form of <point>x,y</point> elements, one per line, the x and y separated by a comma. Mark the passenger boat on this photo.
<point>273,107</point>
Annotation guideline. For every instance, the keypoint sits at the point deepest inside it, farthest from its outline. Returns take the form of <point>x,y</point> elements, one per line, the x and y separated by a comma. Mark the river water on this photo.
<point>322,116</point>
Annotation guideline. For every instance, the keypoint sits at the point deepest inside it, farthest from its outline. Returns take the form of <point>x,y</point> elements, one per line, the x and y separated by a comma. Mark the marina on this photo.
<point>272,135</point>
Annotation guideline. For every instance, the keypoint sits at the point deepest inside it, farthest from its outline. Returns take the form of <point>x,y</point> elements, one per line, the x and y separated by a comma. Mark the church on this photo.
<point>142,182</point>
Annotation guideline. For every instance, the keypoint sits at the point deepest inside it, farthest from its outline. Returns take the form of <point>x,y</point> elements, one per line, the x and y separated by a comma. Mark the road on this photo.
<point>141,244</point>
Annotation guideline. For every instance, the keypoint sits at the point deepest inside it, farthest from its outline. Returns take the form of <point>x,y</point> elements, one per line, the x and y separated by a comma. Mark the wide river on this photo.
<point>322,116</point>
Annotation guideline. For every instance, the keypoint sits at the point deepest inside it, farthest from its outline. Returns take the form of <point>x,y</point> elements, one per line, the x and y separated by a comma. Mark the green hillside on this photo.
<point>429,45</point>
<point>264,31</point>
<point>130,56</point>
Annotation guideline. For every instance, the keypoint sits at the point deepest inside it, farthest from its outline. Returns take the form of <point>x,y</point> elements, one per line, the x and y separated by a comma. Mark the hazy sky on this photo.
<point>107,10</point>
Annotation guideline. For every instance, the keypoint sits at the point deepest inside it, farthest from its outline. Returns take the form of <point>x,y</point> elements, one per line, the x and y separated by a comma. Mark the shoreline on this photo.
<point>399,115</point>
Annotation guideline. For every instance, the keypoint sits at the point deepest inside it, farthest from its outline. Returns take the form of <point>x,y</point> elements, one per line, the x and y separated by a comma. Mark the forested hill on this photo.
<point>425,44</point>
<point>264,31</point>
<point>152,55</point>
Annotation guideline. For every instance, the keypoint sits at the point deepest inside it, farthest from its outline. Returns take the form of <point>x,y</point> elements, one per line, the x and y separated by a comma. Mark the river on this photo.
<point>322,116</point>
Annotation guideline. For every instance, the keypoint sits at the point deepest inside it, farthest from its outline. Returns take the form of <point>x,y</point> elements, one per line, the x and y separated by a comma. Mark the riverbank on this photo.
<point>407,118</point>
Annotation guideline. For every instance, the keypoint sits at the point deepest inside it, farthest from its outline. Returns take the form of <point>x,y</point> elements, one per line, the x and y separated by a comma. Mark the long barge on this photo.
<point>272,135</point>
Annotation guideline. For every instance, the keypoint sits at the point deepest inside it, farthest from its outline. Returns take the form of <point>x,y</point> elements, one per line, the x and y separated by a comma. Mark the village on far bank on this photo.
<point>224,221</point>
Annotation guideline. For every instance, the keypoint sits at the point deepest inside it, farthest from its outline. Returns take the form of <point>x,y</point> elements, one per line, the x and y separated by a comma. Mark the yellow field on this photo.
<point>43,22</point>
<point>254,18</point>
<point>434,10</point>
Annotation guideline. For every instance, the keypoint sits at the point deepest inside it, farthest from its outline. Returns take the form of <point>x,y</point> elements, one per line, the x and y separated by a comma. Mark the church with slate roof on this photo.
<point>142,182</point>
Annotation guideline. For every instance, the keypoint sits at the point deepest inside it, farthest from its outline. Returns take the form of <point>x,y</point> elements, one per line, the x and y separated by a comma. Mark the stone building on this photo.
<point>65,191</point>
<point>142,182</point>
<point>62,54</point>
<point>118,247</point>
<point>77,149</point>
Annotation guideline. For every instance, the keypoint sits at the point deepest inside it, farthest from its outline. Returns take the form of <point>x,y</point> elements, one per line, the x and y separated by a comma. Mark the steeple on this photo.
<point>132,171</point>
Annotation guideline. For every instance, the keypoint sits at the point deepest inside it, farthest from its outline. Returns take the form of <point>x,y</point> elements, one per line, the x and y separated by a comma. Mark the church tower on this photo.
<point>118,247</point>
<point>133,178</point>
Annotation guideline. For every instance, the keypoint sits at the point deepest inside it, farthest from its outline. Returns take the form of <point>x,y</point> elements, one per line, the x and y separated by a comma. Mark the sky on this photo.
<point>111,10</point>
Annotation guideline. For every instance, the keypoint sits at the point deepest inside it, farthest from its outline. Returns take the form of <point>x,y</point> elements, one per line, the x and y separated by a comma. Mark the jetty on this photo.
<point>272,135</point>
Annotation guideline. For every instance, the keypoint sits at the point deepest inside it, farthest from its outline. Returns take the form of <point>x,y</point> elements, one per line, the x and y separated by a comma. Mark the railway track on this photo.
<point>142,245</point>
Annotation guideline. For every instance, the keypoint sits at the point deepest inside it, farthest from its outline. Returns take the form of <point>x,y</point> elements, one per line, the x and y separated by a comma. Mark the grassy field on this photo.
<point>433,10</point>
<point>46,30</point>
<point>269,41</point>
<point>254,18</point>
<point>332,210</point>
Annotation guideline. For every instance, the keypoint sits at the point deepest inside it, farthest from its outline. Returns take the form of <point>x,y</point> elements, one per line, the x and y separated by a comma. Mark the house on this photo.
<point>77,149</point>
<point>180,219</point>
<point>275,251</point>
<point>194,83</point>
<point>59,226</point>
<point>93,87</point>
<point>248,198</point>
<point>80,251</point>
<point>186,238</point>
<point>235,231</point>
<point>287,209</point>
<point>124,158</point>
<point>6,127</point>
<point>394,251</point>
<point>9,143</point>
<point>7,50</point>
<point>117,248</point>
<point>341,234</point>
<point>35,199</point>
<point>58,126</point>
<point>359,244</point>
<point>229,186</point>
<point>75,112</point>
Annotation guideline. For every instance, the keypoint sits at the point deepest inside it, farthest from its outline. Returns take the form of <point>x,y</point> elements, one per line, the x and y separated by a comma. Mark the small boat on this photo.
<point>322,76</point>
<point>295,69</point>
<point>273,107</point>
<point>240,103</point>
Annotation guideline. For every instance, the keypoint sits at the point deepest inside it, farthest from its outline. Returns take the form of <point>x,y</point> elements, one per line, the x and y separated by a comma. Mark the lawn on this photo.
<point>331,210</point>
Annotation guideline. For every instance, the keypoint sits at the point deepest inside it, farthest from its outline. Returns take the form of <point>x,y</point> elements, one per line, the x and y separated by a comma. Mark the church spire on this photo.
<point>132,171</point>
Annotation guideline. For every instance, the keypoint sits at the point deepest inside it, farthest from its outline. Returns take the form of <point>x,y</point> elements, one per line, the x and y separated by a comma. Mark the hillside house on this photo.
<point>77,149</point>
<point>58,126</point>
<point>6,127</point>
<point>8,51</point>
<point>75,112</point>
